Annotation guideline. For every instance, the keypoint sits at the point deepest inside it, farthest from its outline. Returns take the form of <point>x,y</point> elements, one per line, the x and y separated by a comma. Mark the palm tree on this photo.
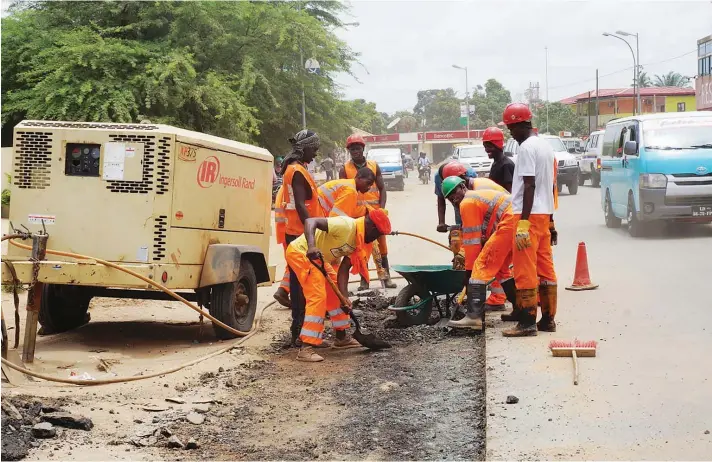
<point>671,79</point>
<point>643,80</point>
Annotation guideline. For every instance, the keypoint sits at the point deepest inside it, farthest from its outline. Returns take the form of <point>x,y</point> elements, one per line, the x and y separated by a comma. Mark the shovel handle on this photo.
<point>344,301</point>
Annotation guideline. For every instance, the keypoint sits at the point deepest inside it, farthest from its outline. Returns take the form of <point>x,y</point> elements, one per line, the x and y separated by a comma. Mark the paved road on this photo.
<point>648,394</point>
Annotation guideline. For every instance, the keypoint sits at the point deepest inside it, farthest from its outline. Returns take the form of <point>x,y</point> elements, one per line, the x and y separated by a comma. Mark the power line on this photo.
<point>629,68</point>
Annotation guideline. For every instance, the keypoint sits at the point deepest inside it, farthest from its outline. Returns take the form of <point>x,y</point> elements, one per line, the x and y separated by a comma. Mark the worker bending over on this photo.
<point>487,228</point>
<point>345,197</point>
<point>374,198</point>
<point>455,168</point>
<point>533,206</point>
<point>326,239</point>
<point>502,170</point>
<point>300,202</point>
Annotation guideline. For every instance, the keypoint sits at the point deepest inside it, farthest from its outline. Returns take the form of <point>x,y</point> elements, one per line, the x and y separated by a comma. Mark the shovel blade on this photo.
<point>370,341</point>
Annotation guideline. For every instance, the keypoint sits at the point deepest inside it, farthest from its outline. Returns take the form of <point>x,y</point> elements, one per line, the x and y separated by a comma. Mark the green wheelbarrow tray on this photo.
<point>414,303</point>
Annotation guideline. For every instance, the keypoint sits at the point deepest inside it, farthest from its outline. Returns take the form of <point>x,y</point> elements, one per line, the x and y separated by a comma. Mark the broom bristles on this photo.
<point>575,344</point>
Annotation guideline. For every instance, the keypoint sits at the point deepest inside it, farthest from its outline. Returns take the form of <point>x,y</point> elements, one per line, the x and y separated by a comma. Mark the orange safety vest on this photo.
<point>280,219</point>
<point>294,225</point>
<point>373,196</point>
<point>476,184</point>
<point>340,198</point>
<point>481,212</point>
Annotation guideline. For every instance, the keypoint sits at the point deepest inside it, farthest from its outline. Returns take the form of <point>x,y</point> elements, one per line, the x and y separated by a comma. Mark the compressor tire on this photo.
<point>63,307</point>
<point>232,310</point>
<point>409,296</point>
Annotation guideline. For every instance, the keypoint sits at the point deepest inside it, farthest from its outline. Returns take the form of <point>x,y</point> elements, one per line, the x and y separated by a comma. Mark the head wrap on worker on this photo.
<point>380,220</point>
<point>301,141</point>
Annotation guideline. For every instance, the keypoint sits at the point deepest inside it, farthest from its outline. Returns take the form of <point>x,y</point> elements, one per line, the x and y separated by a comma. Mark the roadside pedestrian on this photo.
<point>487,228</point>
<point>328,165</point>
<point>300,202</point>
<point>533,207</point>
<point>374,198</point>
<point>502,170</point>
<point>326,239</point>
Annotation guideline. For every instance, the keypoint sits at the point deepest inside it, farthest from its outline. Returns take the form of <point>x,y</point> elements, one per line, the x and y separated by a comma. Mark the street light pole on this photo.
<point>636,94</point>
<point>638,66</point>
<point>467,99</point>
<point>304,96</point>
<point>546,81</point>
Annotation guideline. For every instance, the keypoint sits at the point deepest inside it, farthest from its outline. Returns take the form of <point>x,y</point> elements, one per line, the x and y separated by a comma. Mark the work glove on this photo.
<point>442,228</point>
<point>522,238</point>
<point>554,233</point>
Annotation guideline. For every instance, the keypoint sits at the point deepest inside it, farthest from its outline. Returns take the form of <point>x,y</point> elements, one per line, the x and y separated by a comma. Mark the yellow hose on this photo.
<point>244,335</point>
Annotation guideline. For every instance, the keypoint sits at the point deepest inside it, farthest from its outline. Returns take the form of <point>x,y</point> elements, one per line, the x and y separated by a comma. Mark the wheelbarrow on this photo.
<point>428,286</point>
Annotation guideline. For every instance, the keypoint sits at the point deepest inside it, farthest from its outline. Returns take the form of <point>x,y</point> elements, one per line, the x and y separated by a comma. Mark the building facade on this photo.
<point>703,81</point>
<point>620,102</point>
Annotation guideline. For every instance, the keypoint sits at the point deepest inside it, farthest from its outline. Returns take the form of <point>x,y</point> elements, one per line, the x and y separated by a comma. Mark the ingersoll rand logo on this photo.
<point>208,172</point>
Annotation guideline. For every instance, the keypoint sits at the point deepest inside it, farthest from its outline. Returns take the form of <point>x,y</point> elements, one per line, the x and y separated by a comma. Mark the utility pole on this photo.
<point>304,96</point>
<point>546,51</point>
<point>596,99</point>
<point>589,113</point>
<point>467,98</point>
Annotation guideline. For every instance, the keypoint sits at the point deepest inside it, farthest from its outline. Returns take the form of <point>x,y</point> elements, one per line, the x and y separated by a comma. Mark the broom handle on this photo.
<point>576,371</point>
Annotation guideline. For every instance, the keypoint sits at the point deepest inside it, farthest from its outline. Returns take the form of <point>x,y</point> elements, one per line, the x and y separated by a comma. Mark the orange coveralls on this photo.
<point>341,240</point>
<point>341,198</point>
<point>497,295</point>
<point>487,229</point>
<point>370,198</point>
<point>293,229</point>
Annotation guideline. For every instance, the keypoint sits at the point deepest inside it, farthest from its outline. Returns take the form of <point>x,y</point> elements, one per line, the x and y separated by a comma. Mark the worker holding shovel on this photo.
<point>487,229</point>
<point>324,240</point>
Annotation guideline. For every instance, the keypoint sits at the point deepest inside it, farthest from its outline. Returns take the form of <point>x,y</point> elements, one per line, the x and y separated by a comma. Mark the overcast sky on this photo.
<point>408,46</point>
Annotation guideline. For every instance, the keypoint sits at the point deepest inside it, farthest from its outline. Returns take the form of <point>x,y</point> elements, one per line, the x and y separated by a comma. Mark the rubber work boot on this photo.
<point>363,285</point>
<point>526,306</point>
<point>476,296</point>
<point>307,355</point>
<point>510,290</point>
<point>282,297</point>
<point>548,296</point>
<point>388,283</point>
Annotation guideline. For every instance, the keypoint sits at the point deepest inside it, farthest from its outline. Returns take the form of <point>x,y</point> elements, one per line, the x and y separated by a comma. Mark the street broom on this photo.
<point>563,348</point>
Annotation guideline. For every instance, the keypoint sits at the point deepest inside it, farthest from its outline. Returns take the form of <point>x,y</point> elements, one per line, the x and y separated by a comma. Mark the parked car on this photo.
<point>474,156</point>
<point>590,162</point>
<point>657,167</point>
<point>573,143</point>
<point>391,164</point>
<point>567,163</point>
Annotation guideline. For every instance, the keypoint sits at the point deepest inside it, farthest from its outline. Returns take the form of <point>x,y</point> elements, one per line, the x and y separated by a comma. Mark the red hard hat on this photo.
<point>495,136</point>
<point>355,139</point>
<point>515,113</point>
<point>454,169</point>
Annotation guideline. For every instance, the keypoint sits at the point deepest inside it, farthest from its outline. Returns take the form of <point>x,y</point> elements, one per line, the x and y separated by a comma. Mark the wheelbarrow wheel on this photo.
<point>408,296</point>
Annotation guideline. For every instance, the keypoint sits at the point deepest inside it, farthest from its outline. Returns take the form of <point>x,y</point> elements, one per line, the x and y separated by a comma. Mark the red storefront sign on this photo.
<point>450,135</point>
<point>382,138</point>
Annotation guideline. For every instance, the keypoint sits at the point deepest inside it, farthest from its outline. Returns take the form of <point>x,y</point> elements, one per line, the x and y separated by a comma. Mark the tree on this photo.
<point>231,69</point>
<point>439,107</point>
<point>561,118</point>
<point>671,79</point>
<point>364,115</point>
<point>644,81</point>
<point>489,102</point>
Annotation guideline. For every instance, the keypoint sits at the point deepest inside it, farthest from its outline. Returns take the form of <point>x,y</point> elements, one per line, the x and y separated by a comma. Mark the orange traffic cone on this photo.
<point>582,281</point>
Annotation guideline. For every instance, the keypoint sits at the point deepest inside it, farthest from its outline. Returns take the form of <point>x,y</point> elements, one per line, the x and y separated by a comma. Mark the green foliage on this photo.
<point>489,102</point>
<point>5,197</point>
<point>671,79</point>
<point>561,118</point>
<point>232,69</point>
<point>644,80</point>
<point>439,107</point>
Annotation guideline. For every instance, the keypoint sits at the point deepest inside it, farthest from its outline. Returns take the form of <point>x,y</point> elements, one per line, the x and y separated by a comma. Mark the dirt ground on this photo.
<point>422,399</point>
